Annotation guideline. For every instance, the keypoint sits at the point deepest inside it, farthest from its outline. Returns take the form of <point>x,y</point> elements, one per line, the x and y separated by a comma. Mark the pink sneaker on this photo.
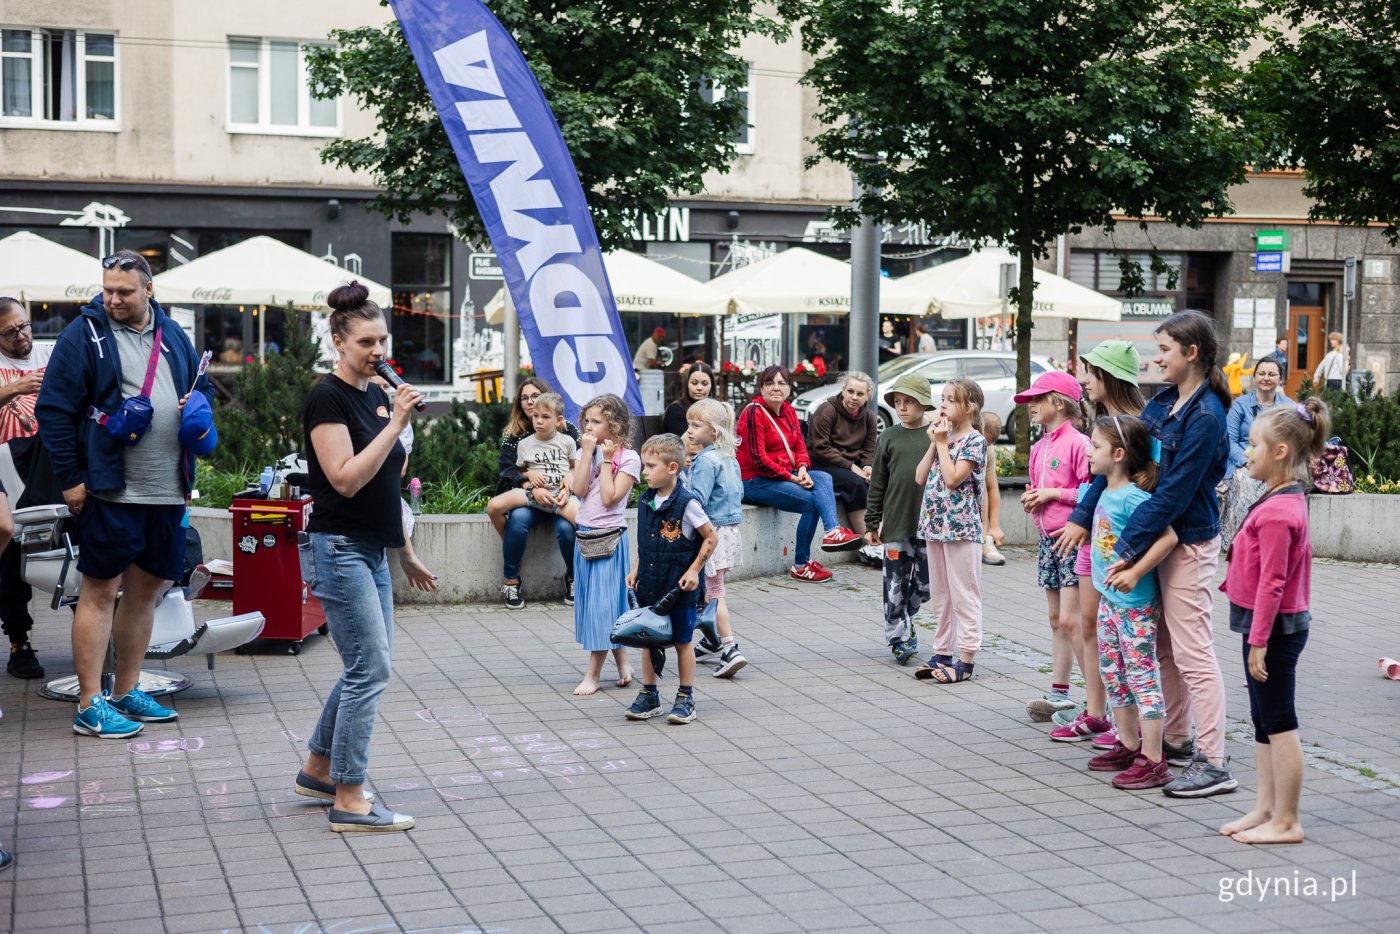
<point>1084,727</point>
<point>1116,759</point>
<point>811,572</point>
<point>841,539</point>
<point>1105,740</point>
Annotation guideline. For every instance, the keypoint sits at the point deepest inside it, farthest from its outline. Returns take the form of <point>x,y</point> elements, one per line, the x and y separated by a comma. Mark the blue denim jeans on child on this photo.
<point>818,502</point>
<point>518,525</point>
<point>352,583</point>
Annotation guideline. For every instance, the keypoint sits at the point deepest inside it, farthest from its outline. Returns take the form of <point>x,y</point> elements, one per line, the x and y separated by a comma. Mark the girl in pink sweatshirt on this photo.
<point>1059,464</point>
<point>1268,582</point>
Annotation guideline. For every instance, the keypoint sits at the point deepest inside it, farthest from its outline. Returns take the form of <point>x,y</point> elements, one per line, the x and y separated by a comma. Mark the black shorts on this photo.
<point>849,489</point>
<point>1271,702</point>
<point>114,536</point>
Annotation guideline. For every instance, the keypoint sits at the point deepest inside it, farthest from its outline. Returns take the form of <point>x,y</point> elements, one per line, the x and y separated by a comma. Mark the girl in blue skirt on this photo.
<point>603,477</point>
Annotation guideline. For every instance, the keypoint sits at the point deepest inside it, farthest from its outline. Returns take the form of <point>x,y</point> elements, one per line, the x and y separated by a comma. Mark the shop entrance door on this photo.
<point>1307,331</point>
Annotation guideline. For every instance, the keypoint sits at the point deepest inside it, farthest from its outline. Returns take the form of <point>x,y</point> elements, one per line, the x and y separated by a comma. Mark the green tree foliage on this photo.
<point>624,80</point>
<point>1327,91</point>
<point>455,455</point>
<point>263,423</point>
<point>1020,120</point>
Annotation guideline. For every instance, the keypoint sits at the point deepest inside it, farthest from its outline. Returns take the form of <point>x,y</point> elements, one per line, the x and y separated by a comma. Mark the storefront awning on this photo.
<point>259,271</point>
<point>38,270</point>
<point>970,287</point>
<point>644,285</point>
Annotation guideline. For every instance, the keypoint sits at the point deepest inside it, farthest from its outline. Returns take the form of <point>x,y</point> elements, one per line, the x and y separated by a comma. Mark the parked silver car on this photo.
<point>993,370</point>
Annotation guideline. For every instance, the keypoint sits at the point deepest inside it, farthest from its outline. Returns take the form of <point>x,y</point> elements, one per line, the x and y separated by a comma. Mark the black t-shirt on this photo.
<point>373,514</point>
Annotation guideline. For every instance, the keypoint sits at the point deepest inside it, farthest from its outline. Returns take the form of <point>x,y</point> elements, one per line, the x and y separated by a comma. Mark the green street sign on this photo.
<point>1271,241</point>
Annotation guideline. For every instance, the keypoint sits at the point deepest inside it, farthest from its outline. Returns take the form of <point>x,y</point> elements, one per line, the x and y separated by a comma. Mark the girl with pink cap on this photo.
<point>1059,464</point>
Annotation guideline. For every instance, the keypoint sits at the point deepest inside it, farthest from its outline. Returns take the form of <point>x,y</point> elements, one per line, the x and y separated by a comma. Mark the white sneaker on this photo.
<point>991,556</point>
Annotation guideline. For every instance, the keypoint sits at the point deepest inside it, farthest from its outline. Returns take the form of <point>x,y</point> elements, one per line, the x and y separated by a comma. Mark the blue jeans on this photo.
<point>518,525</point>
<point>352,583</point>
<point>818,502</point>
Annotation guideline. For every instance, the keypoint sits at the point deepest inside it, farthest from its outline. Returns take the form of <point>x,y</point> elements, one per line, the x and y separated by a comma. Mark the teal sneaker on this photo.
<point>138,705</point>
<point>1068,716</point>
<point>646,706</point>
<point>102,721</point>
<point>684,709</point>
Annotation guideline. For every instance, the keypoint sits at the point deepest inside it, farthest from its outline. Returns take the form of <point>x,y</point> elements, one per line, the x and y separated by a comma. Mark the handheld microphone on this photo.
<point>393,379</point>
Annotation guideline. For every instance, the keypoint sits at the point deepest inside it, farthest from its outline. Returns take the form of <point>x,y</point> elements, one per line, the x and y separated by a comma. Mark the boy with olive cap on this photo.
<point>892,512</point>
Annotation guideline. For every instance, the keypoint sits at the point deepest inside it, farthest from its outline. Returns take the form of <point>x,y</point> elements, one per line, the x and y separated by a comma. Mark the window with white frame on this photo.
<point>58,77</point>
<point>269,90</point>
<point>713,93</point>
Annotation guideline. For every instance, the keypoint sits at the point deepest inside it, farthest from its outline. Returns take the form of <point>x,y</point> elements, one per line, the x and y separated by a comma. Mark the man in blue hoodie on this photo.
<point>129,499</point>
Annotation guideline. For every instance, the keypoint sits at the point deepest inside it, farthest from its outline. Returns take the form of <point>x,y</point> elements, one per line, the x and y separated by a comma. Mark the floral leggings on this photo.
<point>1128,657</point>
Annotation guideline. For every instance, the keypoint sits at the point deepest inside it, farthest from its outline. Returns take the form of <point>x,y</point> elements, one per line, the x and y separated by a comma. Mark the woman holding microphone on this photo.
<point>354,459</point>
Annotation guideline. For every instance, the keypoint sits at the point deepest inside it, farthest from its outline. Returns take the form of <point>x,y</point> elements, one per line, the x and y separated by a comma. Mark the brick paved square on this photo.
<point>824,788</point>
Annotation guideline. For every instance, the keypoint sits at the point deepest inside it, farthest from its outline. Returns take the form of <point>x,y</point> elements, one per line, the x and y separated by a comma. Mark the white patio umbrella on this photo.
<point>799,281</point>
<point>259,271</point>
<point>641,284</point>
<point>36,269</point>
<point>969,287</point>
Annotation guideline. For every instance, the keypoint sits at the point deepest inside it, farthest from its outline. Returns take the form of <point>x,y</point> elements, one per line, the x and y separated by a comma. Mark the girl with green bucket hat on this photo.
<point>1111,385</point>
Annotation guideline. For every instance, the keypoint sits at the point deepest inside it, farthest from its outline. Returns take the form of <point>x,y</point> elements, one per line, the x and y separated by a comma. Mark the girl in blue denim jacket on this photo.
<point>1188,419</point>
<point>714,478</point>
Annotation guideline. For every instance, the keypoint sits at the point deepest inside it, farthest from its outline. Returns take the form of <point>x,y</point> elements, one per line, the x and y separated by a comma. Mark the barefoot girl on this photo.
<point>1267,582</point>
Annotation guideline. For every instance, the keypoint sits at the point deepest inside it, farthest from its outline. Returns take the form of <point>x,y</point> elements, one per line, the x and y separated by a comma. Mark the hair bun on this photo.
<point>348,297</point>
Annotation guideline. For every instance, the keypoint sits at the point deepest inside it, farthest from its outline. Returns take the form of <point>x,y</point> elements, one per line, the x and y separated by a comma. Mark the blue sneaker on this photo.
<point>138,705</point>
<point>102,721</point>
<point>683,711</point>
<point>646,706</point>
<point>903,651</point>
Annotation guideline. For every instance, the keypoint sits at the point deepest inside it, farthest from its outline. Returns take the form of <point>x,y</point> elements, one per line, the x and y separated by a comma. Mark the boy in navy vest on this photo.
<point>674,538</point>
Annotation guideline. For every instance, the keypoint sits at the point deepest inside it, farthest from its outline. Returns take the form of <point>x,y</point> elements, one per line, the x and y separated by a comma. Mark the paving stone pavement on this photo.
<point>823,789</point>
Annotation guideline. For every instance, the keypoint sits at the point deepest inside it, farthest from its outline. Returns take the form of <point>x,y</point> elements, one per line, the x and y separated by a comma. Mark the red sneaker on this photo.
<point>841,539</point>
<point>1143,774</point>
<point>1116,759</point>
<point>812,572</point>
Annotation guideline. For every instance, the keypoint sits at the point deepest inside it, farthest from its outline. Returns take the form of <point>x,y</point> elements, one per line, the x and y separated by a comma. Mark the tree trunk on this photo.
<point>1025,298</point>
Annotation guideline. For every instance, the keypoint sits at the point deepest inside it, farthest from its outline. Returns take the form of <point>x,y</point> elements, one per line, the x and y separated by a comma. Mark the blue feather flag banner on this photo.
<point>528,194</point>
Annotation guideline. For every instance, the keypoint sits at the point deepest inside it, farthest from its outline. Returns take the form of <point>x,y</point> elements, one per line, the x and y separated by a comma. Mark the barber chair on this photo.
<point>49,563</point>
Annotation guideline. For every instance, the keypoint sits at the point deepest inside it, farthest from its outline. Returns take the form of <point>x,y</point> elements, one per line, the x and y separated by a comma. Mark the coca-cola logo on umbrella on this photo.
<point>212,295</point>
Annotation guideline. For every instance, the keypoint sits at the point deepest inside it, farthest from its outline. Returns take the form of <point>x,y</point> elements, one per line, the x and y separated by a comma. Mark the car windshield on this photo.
<point>892,368</point>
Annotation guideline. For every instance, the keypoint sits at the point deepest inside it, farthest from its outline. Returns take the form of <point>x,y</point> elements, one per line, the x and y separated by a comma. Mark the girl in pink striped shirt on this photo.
<point>1059,464</point>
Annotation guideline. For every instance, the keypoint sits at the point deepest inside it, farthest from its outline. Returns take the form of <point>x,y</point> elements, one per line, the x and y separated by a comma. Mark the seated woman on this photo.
<point>515,529</point>
<point>841,438</point>
<point>698,382</point>
<point>773,463</point>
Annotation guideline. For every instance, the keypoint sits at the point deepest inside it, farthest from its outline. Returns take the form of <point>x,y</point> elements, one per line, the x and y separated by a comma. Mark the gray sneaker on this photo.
<point>1201,780</point>
<point>1066,717</point>
<point>1178,754</point>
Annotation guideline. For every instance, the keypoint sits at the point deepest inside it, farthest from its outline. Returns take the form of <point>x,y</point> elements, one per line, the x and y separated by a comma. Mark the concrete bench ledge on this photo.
<point>465,552</point>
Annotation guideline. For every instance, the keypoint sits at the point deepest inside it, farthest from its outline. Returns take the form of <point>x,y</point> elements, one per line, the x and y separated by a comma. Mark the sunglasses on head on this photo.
<point>124,263</point>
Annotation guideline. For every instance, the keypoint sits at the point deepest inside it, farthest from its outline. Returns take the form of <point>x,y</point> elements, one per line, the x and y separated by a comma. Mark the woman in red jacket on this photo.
<point>774,463</point>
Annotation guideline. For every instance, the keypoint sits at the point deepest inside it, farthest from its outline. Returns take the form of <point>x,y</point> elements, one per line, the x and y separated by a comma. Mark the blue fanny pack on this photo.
<point>132,420</point>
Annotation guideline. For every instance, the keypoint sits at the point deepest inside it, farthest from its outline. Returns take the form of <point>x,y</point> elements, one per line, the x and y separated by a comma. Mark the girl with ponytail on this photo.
<point>1188,420</point>
<point>1268,583</point>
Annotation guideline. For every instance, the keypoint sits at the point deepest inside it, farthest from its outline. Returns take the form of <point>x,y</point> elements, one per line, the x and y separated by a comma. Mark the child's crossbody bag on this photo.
<point>129,424</point>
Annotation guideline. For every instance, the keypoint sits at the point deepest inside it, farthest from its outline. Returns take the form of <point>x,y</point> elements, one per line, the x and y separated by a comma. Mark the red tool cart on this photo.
<point>267,567</point>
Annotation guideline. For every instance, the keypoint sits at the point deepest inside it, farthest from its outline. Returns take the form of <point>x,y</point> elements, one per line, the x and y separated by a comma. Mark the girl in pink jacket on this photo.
<point>1059,464</point>
<point>1268,584</point>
